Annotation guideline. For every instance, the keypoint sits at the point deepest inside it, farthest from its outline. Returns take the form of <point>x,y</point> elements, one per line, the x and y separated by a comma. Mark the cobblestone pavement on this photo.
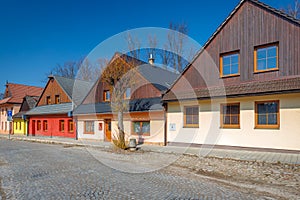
<point>41,171</point>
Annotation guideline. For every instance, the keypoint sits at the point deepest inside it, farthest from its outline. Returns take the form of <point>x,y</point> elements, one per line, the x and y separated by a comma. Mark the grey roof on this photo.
<point>63,108</point>
<point>160,78</point>
<point>136,105</point>
<point>74,88</point>
<point>31,102</point>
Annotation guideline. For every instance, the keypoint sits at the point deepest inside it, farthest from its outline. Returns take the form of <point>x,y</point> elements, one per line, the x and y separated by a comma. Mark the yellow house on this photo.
<point>20,123</point>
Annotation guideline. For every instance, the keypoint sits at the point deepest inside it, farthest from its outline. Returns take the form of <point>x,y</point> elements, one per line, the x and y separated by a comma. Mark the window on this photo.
<point>48,100</point>
<point>57,99</point>
<point>141,128</point>
<point>229,64</point>
<point>230,115</point>
<point>191,116</point>
<point>127,93</point>
<point>267,114</point>
<point>39,125</point>
<point>106,95</point>
<point>89,127</point>
<point>70,125</point>
<point>45,125</point>
<point>266,58</point>
<point>20,126</point>
<point>61,125</point>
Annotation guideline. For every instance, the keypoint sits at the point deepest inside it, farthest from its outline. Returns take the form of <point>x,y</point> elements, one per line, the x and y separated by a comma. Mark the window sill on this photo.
<point>89,133</point>
<point>229,76</point>
<point>277,127</point>
<point>264,71</point>
<point>230,127</point>
<point>136,134</point>
<point>190,126</point>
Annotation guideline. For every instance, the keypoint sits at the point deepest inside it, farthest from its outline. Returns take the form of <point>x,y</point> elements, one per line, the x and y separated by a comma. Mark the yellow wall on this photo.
<point>20,127</point>
<point>209,131</point>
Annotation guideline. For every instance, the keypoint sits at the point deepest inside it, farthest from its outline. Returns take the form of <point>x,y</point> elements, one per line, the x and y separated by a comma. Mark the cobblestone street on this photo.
<point>42,171</point>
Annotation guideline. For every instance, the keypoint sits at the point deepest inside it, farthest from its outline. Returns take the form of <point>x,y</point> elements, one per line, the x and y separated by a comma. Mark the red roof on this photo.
<point>16,92</point>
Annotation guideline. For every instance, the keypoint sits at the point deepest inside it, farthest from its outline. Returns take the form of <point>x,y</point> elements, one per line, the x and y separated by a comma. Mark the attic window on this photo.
<point>266,58</point>
<point>106,95</point>
<point>48,100</point>
<point>127,93</point>
<point>57,99</point>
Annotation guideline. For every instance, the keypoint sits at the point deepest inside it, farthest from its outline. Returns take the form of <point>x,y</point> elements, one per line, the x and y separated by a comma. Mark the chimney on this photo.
<point>151,59</point>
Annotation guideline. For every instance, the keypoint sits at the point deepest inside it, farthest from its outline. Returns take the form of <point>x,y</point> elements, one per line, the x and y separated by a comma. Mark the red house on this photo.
<point>53,114</point>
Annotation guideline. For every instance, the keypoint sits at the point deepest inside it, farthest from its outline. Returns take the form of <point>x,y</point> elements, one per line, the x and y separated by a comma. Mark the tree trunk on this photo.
<point>121,129</point>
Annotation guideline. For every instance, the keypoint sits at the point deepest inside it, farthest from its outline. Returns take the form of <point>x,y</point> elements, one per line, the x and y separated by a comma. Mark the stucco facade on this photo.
<point>5,125</point>
<point>20,127</point>
<point>156,120</point>
<point>287,136</point>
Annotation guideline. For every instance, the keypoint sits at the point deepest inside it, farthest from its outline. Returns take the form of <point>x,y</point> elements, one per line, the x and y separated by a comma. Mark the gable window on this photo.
<point>106,95</point>
<point>127,93</point>
<point>267,114</point>
<point>39,125</point>
<point>191,116</point>
<point>229,64</point>
<point>45,125</point>
<point>266,58</point>
<point>70,125</point>
<point>141,128</point>
<point>57,99</point>
<point>89,127</point>
<point>48,100</point>
<point>230,115</point>
<point>61,125</point>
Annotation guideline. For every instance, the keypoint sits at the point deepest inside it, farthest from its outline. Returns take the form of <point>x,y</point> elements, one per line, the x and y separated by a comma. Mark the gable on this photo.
<point>53,88</point>
<point>250,25</point>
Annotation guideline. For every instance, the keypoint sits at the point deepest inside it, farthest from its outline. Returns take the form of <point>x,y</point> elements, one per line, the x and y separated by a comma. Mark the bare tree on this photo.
<point>117,77</point>
<point>82,69</point>
<point>134,46</point>
<point>174,54</point>
<point>293,10</point>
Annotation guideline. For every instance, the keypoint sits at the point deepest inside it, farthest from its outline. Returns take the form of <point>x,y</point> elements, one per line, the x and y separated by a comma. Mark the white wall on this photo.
<point>98,135</point>
<point>209,131</point>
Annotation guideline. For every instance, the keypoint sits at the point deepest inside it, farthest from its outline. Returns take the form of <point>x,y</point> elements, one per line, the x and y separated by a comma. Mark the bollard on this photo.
<point>132,144</point>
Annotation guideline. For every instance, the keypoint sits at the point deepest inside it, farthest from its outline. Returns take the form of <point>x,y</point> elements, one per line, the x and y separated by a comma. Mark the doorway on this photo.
<point>107,130</point>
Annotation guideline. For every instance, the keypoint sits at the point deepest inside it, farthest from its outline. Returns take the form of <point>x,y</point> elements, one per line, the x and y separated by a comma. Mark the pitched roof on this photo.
<point>283,85</point>
<point>75,89</point>
<point>160,78</point>
<point>16,92</point>
<point>30,102</point>
<point>63,108</point>
<point>240,4</point>
<point>136,105</point>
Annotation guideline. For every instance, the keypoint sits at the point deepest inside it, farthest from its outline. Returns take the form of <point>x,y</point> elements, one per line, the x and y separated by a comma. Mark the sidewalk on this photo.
<point>271,157</point>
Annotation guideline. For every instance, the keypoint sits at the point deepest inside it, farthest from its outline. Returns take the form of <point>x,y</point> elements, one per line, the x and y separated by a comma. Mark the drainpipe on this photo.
<point>165,105</point>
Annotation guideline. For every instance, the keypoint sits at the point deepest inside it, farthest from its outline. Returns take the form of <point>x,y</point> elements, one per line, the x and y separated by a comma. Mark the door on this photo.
<point>107,123</point>
<point>33,128</point>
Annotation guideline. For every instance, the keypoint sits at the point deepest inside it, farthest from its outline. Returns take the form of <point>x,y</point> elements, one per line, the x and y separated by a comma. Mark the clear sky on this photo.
<point>35,35</point>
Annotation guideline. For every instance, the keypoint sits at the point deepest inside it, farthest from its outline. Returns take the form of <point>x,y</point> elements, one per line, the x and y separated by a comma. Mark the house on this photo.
<point>11,103</point>
<point>19,120</point>
<point>144,118</point>
<point>52,115</point>
<point>242,90</point>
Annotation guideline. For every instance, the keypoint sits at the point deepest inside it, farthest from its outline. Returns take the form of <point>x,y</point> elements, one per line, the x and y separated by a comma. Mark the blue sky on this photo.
<point>38,34</point>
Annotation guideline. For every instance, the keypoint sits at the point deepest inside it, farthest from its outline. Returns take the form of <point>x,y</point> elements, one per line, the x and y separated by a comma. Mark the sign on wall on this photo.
<point>9,115</point>
<point>172,127</point>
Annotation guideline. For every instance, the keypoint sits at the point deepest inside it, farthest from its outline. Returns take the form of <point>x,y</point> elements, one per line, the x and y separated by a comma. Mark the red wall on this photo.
<point>53,126</point>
